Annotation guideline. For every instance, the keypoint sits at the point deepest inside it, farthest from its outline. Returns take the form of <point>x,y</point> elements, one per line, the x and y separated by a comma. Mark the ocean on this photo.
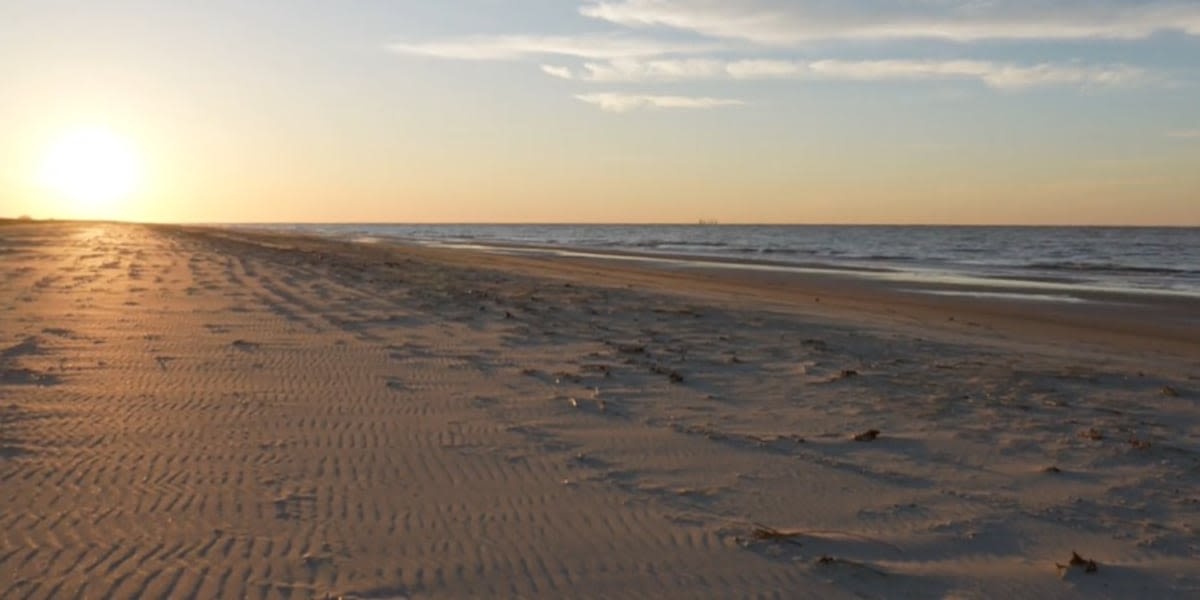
<point>1057,260</point>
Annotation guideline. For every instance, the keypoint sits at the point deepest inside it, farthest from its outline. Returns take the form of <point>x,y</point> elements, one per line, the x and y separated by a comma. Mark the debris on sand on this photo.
<point>867,436</point>
<point>1138,444</point>
<point>826,561</point>
<point>770,534</point>
<point>672,375</point>
<point>1078,562</point>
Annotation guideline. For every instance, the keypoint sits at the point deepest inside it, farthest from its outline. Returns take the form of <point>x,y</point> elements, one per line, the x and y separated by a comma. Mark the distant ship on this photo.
<point>708,222</point>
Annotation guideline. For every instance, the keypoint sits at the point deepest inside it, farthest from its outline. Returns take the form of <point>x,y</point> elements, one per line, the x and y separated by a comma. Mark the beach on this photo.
<point>192,412</point>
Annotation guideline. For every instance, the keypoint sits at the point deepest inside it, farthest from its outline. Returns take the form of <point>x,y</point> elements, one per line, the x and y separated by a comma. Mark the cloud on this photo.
<point>514,47</point>
<point>1184,134</point>
<point>993,74</point>
<point>765,69</point>
<point>559,72</point>
<point>630,70</point>
<point>783,22</point>
<point>620,103</point>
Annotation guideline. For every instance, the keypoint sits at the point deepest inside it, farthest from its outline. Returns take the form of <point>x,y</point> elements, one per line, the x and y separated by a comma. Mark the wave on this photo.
<point>670,243</point>
<point>889,257</point>
<point>1113,268</point>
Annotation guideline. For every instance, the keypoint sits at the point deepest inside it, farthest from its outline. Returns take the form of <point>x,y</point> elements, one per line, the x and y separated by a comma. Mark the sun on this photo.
<point>91,167</point>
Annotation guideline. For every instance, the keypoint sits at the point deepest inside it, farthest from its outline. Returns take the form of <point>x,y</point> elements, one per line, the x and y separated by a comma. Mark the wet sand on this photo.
<point>199,413</point>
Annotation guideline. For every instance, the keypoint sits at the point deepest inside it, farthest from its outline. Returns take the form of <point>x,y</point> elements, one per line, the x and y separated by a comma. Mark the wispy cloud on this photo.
<point>620,103</point>
<point>559,72</point>
<point>996,75</point>
<point>513,47</point>
<point>1184,134</point>
<point>993,74</point>
<point>791,21</point>
<point>617,71</point>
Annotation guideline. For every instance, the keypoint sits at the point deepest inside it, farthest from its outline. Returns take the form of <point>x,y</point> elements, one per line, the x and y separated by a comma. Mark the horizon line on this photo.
<point>610,223</point>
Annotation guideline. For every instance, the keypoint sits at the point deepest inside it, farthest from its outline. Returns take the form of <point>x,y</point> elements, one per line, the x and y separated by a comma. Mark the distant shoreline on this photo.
<point>1046,288</point>
<point>903,254</point>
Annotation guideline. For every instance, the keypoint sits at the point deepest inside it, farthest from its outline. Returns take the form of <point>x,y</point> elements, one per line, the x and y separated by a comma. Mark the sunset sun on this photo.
<point>92,168</point>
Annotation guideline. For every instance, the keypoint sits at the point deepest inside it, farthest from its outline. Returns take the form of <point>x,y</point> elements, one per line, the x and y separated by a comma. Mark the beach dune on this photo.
<point>210,413</point>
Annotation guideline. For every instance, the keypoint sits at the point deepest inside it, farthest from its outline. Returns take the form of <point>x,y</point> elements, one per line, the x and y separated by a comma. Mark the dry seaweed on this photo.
<point>770,534</point>
<point>867,436</point>
<point>1088,565</point>
<point>1138,444</point>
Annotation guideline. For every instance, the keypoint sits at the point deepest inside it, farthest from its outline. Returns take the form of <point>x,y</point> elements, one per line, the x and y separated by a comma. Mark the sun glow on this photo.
<point>92,168</point>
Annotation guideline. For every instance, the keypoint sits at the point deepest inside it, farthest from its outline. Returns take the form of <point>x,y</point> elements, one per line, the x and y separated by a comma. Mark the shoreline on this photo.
<point>1035,278</point>
<point>1108,321</point>
<point>922,279</point>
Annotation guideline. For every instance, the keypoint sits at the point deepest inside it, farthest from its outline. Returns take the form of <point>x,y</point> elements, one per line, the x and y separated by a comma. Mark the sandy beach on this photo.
<point>190,412</point>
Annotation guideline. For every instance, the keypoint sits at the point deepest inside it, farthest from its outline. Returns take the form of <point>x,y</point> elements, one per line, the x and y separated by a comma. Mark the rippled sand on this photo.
<point>192,413</point>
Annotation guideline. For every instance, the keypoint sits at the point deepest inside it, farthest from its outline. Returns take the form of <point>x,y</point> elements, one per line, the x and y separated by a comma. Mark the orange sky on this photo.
<point>416,113</point>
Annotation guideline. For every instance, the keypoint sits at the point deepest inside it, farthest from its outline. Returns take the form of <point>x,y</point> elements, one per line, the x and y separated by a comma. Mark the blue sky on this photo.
<point>656,53</point>
<point>1019,111</point>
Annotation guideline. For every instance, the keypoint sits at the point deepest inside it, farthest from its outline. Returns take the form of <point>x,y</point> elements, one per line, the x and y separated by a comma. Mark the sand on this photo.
<point>198,413</point>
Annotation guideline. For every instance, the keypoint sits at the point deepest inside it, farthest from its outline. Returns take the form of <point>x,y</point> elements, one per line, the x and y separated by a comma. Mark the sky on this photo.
<point>741,111</point>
